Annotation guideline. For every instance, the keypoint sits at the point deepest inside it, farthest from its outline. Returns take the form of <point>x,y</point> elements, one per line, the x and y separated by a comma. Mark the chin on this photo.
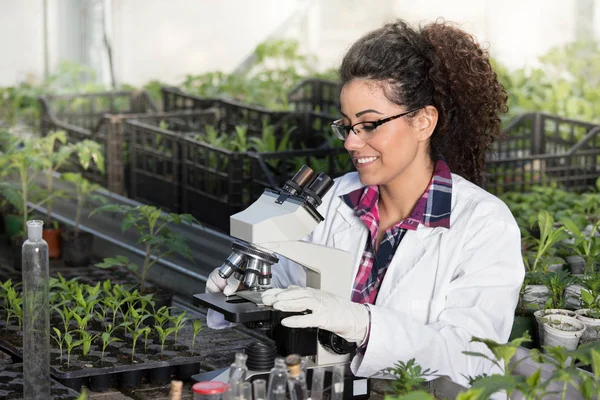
<point>369,179</point>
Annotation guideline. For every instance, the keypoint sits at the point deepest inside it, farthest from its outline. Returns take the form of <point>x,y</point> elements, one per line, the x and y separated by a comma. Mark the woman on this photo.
<point>437,259</point>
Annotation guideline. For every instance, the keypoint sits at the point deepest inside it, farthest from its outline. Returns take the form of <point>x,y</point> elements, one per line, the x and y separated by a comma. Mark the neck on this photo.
<point>398,197</point>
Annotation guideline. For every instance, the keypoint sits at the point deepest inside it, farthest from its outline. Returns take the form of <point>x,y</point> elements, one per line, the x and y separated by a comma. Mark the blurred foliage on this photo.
<point>278,66</point>
<point>566,83</point>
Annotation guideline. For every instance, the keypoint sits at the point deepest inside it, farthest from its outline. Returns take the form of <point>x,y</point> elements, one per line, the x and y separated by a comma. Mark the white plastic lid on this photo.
<point>34,229</point>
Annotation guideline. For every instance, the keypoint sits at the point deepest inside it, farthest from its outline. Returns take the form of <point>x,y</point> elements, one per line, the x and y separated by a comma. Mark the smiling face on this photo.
<point>393,151</point>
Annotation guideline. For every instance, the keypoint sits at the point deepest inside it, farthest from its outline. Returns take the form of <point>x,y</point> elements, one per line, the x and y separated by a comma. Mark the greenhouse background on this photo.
<point>135,129</point>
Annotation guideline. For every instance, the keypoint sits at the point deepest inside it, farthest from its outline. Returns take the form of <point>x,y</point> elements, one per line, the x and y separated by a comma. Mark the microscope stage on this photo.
<point>236,308</point>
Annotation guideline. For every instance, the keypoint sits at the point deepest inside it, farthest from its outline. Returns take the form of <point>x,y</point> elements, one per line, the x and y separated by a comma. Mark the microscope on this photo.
<point>274,225</point>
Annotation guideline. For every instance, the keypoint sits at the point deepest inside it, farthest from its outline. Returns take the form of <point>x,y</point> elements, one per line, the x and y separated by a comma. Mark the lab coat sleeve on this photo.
<point>480,301</point>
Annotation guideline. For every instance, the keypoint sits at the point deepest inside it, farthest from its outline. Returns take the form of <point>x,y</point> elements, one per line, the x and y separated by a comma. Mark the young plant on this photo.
<point>163,334</point>
<point>137,317</point>
<point>158,240</point>
<point>161,316</point>
<point>71,344</point>
<point>585,246</point>
<point>84,191</point>
<point>408,376</point>
<point>58,338</point>
<point>178,323</point>
<point>86,341</point>
<point>55,153</point>
<point>545,245</point>
<point>26,162</point>
<point>557,282</point>
<point>146,331</point>
<point>106,341</point>
<point>197,326</point>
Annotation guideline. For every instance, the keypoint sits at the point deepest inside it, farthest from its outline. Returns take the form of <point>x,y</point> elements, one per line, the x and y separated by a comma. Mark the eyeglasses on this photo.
<point>365,129</point>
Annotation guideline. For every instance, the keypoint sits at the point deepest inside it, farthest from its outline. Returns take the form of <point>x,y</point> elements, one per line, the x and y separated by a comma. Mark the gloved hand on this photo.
<point>216,284</point>
<point>342,317</point>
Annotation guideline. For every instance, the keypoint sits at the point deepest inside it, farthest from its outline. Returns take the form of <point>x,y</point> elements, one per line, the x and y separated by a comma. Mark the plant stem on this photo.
<point>145,268</point>
<point>24,191</point>
<point>49,184</point>
<point>78,215</point>
<point>564,391</point>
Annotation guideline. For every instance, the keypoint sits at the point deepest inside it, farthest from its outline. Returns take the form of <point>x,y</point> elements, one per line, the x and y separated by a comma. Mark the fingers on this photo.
<point>268,297</point>
<point>302,321</point>
<point>232,286</point>
<point>215,284</point>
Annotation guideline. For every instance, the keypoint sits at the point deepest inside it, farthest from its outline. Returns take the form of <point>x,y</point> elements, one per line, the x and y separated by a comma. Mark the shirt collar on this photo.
<point>431,210</point>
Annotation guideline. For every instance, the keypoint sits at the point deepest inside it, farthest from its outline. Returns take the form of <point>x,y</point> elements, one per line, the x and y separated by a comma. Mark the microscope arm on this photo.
<point>328,269</point>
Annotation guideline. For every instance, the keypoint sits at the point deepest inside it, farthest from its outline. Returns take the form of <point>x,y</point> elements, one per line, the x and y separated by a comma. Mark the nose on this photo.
<point>353,142</point>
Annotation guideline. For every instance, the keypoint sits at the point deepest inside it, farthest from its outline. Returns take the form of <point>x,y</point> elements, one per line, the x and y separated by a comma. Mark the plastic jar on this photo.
<point>211,390</point>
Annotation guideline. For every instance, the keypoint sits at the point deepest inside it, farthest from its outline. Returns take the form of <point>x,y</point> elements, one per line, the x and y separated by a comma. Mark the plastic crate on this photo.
<point>182,173</point>
<point>155,154</point>
<point>541,149</point>
<point>316,95</point>
<point>99,117</point>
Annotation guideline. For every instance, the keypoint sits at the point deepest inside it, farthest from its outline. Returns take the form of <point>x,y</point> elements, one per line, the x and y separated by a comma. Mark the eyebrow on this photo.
<point>358,114</point>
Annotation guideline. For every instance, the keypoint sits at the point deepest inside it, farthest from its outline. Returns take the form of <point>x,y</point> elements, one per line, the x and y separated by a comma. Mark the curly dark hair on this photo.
<point>439,65</point>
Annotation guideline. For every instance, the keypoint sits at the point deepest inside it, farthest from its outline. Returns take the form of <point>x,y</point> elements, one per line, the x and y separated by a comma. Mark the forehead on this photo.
<point>360,94</point>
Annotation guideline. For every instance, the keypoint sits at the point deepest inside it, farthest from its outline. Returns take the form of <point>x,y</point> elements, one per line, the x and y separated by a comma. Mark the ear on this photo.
<point>426,122</point>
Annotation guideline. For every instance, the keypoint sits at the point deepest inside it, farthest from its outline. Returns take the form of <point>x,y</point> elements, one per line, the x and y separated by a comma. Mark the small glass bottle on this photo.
<point>36,321</point>
<point>296,378</point>
<point>237,374</point>
<point>278,375</point>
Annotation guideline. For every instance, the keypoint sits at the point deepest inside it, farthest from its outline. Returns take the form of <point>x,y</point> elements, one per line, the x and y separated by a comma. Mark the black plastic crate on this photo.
<point>316,95</point>
<point>155,154</point>
<point>561,151</point>
<point>98,117</point>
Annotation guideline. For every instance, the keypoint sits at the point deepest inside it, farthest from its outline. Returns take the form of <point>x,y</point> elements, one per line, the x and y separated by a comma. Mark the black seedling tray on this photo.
<point>213,349</point>
<point>11,385</point>
<point>117,368</point>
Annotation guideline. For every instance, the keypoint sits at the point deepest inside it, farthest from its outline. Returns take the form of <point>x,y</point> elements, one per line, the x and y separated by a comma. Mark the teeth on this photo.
<point>365,160</point>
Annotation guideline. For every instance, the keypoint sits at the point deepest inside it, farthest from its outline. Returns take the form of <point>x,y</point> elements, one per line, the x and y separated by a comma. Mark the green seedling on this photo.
<point>86,341</point>
<point>106,341</point>
<point>59,340</point>
<point>178,323</point>
<point>197,325</point>
<point>157,239</point>
<point>407,376</point>
<point>163,334</point>
<point>137,317</point>
<point>146,331</point>
<point>161,316</point>
<point>71,344</point>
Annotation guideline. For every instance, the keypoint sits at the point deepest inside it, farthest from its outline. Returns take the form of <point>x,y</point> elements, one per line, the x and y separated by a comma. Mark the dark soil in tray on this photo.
<point>11,385</point>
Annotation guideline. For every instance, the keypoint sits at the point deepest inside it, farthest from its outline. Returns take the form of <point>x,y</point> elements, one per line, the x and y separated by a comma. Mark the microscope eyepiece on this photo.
<point>318,188</point>
<point>303,177</point>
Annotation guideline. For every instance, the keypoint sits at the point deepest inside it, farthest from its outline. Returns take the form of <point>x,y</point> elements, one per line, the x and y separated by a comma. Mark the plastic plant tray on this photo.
<point>213,349</point>
<point>11,385</point>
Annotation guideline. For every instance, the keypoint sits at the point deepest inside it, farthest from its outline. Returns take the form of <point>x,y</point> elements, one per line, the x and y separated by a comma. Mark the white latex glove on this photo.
<point>342,317</point>
<point>216,284</point>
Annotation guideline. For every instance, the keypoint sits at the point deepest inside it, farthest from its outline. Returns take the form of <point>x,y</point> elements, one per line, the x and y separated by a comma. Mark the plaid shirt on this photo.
<point>431,210</point>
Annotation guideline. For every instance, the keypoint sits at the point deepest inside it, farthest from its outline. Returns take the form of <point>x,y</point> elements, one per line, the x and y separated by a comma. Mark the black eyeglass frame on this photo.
<point>378,123</point>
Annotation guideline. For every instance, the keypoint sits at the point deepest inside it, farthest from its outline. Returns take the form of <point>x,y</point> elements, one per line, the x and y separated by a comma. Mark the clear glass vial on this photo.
<point>36,321</point>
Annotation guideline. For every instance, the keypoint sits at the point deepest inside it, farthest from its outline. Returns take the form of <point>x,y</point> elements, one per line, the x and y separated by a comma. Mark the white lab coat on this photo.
<point>443,286</point>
